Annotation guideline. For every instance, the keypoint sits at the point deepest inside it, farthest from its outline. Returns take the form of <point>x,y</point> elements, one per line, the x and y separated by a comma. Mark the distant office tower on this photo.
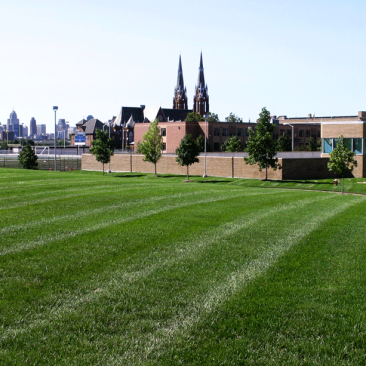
<point>13,123</point>
<point>24,130</point>
<point>61,125</point>
<point>41,129</point>
<point>70,131</point>
<point>33,127</point>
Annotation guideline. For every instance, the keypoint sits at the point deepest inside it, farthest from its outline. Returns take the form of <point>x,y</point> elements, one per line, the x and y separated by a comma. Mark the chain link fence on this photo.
<point>63,164</point>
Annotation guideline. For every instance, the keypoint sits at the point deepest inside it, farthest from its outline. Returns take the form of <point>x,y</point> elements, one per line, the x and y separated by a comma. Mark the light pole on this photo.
<point>292,137</point>
<point>55,108</point>
<point>123,137</point>
<point>109,164</point>
<point>205,116</point>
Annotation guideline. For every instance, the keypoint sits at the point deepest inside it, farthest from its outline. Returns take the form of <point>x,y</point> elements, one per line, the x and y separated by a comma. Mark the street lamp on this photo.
<point>292,137</point>
<point>109,164</point>
<point>55,108</point>
<point>123,137</point>
<point>205,116</point>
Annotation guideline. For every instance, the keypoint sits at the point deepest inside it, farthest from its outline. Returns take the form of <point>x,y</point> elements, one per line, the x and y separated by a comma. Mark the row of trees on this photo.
<point>261,148</point>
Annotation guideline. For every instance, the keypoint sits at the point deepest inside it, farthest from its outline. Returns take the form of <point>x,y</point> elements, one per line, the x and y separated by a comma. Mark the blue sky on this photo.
<point>92,57</point>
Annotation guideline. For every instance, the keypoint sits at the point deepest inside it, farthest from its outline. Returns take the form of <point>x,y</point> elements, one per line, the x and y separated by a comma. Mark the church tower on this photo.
<point>180,99</point>
<point>201,99</point>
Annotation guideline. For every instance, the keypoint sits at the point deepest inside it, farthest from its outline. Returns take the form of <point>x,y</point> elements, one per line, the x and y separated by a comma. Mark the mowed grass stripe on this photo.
<point>23,228</point>
<point>154,343</point>
<point>57,235</point>
<point>308,309</point>
<point>168,258</point>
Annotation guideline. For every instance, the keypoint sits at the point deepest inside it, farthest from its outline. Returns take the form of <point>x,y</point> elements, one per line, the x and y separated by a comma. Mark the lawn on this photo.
<point>133,269</point>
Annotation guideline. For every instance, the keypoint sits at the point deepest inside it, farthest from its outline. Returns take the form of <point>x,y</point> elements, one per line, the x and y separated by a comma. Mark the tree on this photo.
<point>152,144</point>
<point>341,159</point>
<point>194,117</point>
<point>313,146</point>
<point>28,158</point>
<point>233,118</point>
<point>212,117</point>
<point>102,147</point>
<point>284,143</point>
<point>187,152</point>
<point>260,145</point>
<point>232,144</point>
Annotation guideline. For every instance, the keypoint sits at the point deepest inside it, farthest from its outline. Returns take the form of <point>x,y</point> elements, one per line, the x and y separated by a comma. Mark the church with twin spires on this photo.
<point>200,98</point>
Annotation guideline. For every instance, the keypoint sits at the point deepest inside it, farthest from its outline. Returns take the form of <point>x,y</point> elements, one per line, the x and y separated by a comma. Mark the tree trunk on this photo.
<point>155,168</point>
<point>187,174</point>
<point>266,172</point>
<point>103,168</point>
<point>342,185</point>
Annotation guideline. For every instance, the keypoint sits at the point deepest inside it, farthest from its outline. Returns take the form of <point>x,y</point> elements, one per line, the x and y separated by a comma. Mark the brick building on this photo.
<point>89,128</point>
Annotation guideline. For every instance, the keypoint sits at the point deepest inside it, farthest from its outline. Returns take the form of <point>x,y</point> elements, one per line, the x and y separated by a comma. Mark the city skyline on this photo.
<point>87,58</point>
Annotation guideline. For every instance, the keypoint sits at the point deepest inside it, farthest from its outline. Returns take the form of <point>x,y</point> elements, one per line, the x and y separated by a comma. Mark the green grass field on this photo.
<point>133,269</point>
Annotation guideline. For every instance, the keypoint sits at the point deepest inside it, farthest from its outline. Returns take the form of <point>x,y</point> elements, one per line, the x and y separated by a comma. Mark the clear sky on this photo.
<point>92,57</point>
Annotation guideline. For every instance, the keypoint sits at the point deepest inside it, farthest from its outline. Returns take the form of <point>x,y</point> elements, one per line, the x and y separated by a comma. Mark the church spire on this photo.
<point>180,99</point>
<point>180,82</point>
<point>201,76</point>
<point>201,99</point>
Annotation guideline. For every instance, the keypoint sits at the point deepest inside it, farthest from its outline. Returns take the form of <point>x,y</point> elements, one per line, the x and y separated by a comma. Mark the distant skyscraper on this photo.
<point>33,127</point>
<point>13,123</point>
<point>61,125</point>
<point>41,129</point>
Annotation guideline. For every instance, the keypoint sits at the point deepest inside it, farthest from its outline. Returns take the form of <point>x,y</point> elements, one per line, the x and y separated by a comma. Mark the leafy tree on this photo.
<point>233,118</point>
<point>212,117</point>
<point>102,147</point>
<point>260,145</point>
<point>187,152</point>
<point>284,143</point>
<point>152,144</point>
<point>313,146</point>
<point>28,158</point>
<point>194,117</point>
<point>341,159</point>
<point>200,141</point>
<point>3,145</point>
<point>232,144</point>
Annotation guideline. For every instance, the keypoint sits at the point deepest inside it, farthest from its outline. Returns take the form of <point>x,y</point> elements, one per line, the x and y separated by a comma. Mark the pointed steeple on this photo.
<point>201,99</point>
<point>180,99</point>
<point>180,82</point>
<point>201,76</point>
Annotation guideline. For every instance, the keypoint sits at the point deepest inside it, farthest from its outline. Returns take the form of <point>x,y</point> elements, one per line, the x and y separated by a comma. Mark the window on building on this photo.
<point>164,146</point>
<point>225,132</point>
<point>289,132</point>
<point>163,132</point>
<point>301,133</point>
<point>247,131</point>
<point>216,146</point>
<point>307,133</point>
<point>328,146</point>
<point>216,131</point>
<point>357,146</point>
<point>348,143</point>
<point>239,132</point>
